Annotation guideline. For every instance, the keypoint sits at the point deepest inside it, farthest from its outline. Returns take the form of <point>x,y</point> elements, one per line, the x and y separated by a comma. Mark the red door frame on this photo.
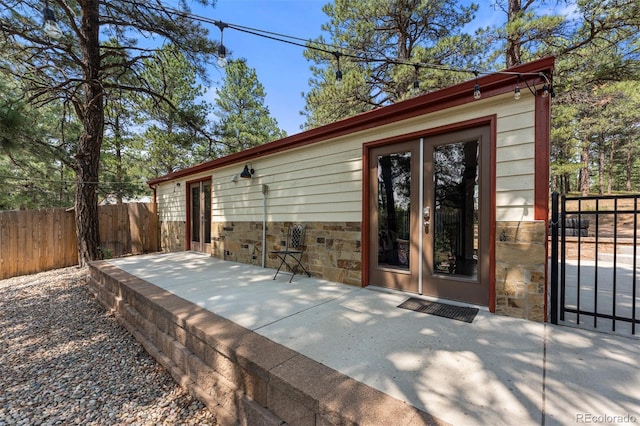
<point>188,210</point>
<point>490,121</point>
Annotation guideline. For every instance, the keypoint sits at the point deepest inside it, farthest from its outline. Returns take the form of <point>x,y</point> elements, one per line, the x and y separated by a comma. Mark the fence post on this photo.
<point>555,223</point>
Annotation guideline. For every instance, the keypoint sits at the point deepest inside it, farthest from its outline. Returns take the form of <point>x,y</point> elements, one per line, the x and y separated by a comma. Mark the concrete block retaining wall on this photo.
<point>244,378</point>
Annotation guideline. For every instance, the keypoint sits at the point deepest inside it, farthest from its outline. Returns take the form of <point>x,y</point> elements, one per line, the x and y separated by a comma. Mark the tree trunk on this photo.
<point>390,205</point>
<point>119,170</point>
<point>403,54</point>
<point>62,184</point>
<point>610,167</point>
<point>513,39</point>
<point>88,153</point>
<point>628,167</point>
<point>585,180</point>
<point>601,167</point>
<point>567,183</point>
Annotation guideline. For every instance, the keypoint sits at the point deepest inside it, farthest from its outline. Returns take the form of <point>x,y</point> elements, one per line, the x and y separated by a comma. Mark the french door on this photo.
<point>200,216</point>
<point>429,216</point>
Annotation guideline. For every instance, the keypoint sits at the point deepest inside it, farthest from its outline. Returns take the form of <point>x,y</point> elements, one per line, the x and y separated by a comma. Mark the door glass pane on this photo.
<point>195,213</point>
<point>455,220</point>
<point>207,213</point>
<point>394,208</point>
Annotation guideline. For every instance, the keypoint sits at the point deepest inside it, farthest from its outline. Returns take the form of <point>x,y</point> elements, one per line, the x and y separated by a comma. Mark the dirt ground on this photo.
<point>625,223</point>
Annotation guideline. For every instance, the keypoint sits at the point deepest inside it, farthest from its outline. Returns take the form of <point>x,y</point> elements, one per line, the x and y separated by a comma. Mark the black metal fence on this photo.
<point>594,262</point>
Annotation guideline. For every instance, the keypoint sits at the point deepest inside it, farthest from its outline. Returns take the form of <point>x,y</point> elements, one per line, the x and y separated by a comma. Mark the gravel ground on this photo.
<point>64,360</point>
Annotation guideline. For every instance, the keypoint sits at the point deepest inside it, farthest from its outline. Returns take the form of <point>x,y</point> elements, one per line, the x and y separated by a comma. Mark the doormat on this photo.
<point>459,313</point>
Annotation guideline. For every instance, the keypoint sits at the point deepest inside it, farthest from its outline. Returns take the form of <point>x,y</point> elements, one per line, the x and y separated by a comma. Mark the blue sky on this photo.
<point>281,68</point>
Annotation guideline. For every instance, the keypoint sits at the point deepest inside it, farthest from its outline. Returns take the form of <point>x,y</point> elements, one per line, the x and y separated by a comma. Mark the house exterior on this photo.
<point>442,195</point>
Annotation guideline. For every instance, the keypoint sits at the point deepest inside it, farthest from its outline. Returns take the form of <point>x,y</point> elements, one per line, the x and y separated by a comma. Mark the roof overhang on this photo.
<point>460,94</point>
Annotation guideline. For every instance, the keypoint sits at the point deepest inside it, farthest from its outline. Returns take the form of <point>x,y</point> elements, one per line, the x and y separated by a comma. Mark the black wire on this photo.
<point>72,182</point>
<point>330,49</point>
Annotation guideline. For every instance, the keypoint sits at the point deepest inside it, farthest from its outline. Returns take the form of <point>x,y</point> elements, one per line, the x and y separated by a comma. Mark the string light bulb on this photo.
<point>476,89</point>
<point>51,27</point>
<point>416,82</point>
<point>547,88</point>
<point>222,56</point>
<point>476,92</point>
<point>516,93</point>
<point>338,71</point>
<point>222,51</point>
<point>324,48</point>
<point>545,91</point>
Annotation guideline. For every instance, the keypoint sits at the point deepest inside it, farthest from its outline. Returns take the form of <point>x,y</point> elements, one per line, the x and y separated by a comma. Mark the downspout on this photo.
<point>265,190</point>
<point>155,205</point>
<point>155,194</point>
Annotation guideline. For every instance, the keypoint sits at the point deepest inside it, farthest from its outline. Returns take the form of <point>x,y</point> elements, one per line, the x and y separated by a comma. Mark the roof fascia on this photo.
<point>459,94</point>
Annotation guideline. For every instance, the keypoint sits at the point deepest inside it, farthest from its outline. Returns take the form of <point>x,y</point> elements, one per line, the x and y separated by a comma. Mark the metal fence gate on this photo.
<point>594,262</point>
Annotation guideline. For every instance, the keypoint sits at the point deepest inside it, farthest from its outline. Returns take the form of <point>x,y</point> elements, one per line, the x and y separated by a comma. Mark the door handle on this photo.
<point>426,226</point>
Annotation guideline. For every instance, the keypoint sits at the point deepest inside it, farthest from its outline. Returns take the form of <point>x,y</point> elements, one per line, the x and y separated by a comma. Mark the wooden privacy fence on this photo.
<point>128,229</point>
<point>36,240</point>
<point>39,240</point>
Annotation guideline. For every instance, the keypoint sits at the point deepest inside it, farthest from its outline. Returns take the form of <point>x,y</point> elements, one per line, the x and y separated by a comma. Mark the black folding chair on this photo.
<point>291,255</point>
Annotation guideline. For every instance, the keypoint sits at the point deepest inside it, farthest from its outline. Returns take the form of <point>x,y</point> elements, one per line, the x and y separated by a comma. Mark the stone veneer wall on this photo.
<point>172,236</point>
<point>520,269</point>
<point>333,249</point>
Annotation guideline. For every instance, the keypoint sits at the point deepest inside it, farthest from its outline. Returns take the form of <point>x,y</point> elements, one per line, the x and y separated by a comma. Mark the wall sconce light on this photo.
<point>248,171</point>
<point>178,184</point>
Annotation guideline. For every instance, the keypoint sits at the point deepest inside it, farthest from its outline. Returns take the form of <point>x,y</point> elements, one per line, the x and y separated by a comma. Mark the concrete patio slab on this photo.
<point>496,370</point>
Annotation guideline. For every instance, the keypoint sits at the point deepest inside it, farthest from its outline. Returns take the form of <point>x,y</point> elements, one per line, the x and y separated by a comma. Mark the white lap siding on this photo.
<point>322,182</point>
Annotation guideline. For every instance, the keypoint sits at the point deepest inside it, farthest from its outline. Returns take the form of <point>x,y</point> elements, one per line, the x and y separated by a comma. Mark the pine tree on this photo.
<point>244,120</point>
<point>71,65</point>
<point>380,33</point>
<point>35,156</point>
<point>174,124</point>
<point>600,54</point>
